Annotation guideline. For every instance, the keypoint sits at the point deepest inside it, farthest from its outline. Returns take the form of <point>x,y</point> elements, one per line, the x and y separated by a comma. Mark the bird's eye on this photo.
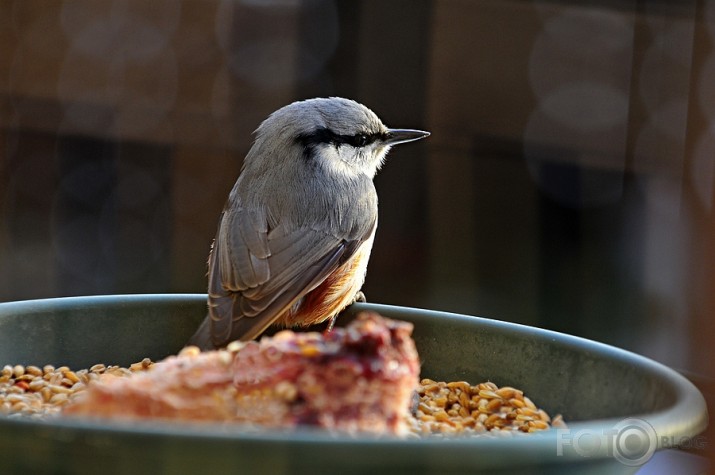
<point>360,140</point>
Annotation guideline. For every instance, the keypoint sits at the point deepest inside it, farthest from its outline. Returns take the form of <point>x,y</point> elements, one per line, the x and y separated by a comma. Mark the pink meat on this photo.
<point>356,379</point>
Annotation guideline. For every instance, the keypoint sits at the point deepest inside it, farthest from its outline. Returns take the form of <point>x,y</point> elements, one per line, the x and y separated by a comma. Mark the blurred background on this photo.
<point>568,182</point>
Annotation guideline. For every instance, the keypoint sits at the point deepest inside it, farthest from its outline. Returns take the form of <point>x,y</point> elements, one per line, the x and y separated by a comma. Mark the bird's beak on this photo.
<point>395,136</point>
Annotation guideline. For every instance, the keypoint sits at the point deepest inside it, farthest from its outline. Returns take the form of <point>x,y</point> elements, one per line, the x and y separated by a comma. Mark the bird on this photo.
<point>295,235</point>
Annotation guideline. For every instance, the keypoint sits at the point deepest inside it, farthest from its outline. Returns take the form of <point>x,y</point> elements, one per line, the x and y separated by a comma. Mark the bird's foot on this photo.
<point>359,297</point>
<point>330,325</point>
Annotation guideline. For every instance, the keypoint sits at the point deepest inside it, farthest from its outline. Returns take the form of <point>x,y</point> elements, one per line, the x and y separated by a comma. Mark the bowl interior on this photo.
<point>562,374</point>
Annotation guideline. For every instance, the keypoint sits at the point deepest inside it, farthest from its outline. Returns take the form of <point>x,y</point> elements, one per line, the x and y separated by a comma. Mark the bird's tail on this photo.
<point>202,337</point>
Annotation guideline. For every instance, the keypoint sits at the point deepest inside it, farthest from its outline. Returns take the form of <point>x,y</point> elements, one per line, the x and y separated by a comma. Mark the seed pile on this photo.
<point>454,408</point>
<point>38,392</point>
<point>457,408</point>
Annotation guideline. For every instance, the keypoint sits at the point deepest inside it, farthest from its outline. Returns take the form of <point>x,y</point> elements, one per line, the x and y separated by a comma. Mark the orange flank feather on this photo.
<point>335,293</point>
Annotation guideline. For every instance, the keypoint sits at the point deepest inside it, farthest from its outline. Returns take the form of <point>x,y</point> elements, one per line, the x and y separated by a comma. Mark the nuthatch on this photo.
<point>295,235</point>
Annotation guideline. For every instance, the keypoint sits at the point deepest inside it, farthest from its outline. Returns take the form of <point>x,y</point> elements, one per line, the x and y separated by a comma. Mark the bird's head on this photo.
<point>339,134</point>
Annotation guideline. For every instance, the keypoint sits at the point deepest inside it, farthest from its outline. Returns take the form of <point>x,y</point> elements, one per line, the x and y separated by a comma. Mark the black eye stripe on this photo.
<point>325,136</point>
<point>315,138</point>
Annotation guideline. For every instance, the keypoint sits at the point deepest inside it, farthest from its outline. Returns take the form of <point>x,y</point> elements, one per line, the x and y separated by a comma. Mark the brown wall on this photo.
<point>568,182</point>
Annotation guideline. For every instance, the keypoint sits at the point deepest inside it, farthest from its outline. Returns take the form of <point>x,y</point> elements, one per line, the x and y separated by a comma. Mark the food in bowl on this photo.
<point>359,379</point>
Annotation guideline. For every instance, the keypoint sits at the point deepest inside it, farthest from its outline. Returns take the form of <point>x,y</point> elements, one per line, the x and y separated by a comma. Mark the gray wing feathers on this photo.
<point>244,250</point>
<point>249,326</point>
<point>304,246</point>
<point>255,275</point>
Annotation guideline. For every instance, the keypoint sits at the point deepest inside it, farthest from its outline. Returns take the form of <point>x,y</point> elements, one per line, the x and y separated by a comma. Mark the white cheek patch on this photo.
<point>339,160</point>
<point>347,160</point>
